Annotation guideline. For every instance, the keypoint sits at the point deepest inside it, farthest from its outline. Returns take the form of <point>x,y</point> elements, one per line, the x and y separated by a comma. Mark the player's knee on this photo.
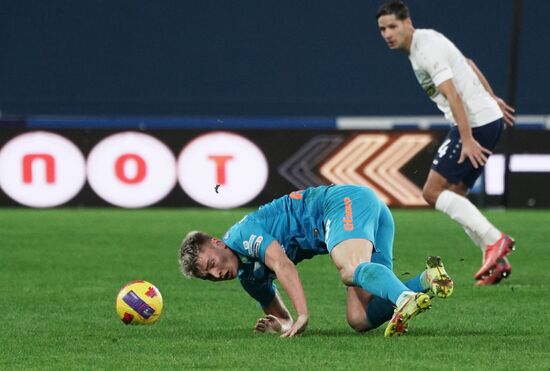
<point>358,322</point>
<point>461,189</point>
<point>346,275</point>
<point>430,194</point>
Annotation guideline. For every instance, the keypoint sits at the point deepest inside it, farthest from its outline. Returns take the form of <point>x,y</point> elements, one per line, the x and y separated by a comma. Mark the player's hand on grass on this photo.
<point>507,111</point>
<point>298,327</point>
<point>272,324</point>
<point>474,151</point>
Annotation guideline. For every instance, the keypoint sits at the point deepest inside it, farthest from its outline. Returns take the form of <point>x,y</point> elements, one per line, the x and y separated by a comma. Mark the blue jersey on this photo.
<point>295,221</point>
<point>308,223</point>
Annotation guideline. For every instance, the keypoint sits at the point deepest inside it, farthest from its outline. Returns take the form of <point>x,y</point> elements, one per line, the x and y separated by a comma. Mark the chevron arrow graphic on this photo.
<point>384,168</point>
<point>375,160</point>
<point>299,168</point>
<point>341,167</point>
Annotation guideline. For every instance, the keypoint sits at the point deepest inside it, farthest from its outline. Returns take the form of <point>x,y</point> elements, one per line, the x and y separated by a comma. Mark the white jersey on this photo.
<point>435,59</point>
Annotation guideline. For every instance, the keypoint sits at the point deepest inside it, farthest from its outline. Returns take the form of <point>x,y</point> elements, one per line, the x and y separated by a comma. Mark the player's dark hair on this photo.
<point>189,252</point>
<point>397,8</point>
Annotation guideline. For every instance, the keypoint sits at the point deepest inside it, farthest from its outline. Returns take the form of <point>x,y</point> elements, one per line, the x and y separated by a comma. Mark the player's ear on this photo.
<point>217,242</point>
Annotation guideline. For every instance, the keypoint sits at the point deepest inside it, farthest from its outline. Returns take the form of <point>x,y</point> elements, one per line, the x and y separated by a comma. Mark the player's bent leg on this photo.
<point>408,308</point>
<point>460,188</point>
<point>379,312</point>
<point>356,308</point>
<point>418,283</point>
<point>461,210</point>
<point>502,270</point>
<point>437,278</point>
<point>365,311</point>
<point>348,255</point>
<point>435,184</point>
<point>434,280</point>
<point>352,258</point>
<point>379,280</point>
<point>495,253</point>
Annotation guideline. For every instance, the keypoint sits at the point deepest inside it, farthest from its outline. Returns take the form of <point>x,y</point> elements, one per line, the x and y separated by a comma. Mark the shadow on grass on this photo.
<point>457,332</point>
<point>340,333</point>
<point>236,333</point>
<point>413,332</point>
<point>421,332</point>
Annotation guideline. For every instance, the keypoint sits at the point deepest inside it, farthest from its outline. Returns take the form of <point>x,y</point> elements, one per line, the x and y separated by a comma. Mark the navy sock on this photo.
<point>379,311</point>
<point>379,281</point>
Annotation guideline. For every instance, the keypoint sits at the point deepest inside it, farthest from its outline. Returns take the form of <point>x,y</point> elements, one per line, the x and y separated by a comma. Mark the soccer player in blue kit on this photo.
<point>346,221</point>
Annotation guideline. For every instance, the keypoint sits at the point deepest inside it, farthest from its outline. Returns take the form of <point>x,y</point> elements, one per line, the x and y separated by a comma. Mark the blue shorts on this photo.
<point>356,212</point>
<point>448,154</point>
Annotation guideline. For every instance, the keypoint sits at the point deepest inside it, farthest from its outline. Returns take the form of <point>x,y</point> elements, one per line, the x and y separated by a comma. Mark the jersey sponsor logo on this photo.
<point>426,82</point>
<point>252,246</point>
<point>348,218</point>
<point>257,244</point>
<point>431,90</point>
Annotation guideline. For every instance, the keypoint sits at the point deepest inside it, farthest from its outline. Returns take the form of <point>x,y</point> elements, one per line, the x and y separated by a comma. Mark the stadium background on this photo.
<point>250,58</point>
<point>298,79</point>
<point>301,72</point>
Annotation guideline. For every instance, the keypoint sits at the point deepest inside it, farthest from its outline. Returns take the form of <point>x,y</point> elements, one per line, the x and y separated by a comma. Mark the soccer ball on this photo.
<point>139,302</point>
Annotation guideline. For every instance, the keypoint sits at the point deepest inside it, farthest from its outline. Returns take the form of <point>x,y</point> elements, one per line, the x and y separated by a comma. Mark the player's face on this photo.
<point>216,262</point>
<point>396,33</point>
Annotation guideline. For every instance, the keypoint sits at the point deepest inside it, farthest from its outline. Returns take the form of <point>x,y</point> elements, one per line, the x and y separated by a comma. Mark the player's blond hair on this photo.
<point>189,252</point>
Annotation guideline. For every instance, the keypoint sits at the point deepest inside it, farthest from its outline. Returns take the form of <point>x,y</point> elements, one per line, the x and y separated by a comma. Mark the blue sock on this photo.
<point>379,281</point>
<point>380,311</point>
<point>416,283</point>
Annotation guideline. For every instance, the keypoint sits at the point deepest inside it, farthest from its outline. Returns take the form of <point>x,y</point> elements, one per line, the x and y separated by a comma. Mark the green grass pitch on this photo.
<point>61,270</point>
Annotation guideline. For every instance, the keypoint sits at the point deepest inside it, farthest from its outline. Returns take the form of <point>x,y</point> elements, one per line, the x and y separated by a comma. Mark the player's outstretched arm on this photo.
<point>471,149</point>
<point>285,270</point>
<point>507,110</point>
<point>277,318</point>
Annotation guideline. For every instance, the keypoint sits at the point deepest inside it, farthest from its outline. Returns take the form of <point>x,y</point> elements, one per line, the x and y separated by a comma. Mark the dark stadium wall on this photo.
<point>246,57</point>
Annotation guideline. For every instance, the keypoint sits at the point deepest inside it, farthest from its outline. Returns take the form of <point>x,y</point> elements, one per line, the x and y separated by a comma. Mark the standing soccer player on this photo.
<point>462,93</point>
<point>348,222</point>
